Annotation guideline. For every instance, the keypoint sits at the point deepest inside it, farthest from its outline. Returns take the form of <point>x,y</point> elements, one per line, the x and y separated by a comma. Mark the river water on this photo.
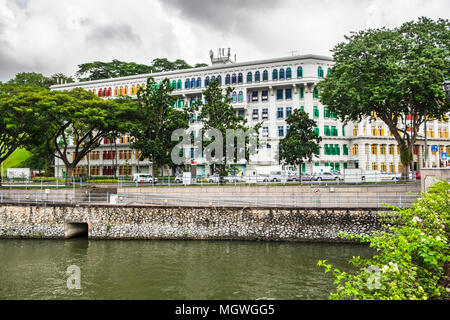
<point>170,270</point>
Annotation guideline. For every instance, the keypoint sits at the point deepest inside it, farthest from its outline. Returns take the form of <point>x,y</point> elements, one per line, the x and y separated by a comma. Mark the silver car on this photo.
<point>326,176</point>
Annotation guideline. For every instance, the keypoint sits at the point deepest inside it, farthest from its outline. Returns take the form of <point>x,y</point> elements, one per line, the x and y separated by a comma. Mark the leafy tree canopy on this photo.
<point>105,70</point>
<point>21,121</point>
<point>394,75</point>
<point>39,80</point>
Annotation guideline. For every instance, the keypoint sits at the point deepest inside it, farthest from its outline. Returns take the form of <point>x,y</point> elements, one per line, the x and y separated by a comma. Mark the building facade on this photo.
<point>266,91</point>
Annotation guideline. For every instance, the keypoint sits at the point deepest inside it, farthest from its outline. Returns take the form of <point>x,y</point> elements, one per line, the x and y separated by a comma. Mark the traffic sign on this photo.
<point>444,156</point>
<point>434,148</point>
<point>316,191</point>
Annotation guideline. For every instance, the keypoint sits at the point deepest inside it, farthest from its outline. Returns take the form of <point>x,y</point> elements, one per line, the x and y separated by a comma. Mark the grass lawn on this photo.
<point>15,159</point>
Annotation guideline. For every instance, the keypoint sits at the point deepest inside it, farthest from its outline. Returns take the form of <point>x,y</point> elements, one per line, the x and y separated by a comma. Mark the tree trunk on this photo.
<point>69,174</point>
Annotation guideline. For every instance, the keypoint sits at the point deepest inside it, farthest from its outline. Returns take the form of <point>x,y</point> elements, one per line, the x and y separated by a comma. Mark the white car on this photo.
<point>215,178</point>
<point>144,178</point>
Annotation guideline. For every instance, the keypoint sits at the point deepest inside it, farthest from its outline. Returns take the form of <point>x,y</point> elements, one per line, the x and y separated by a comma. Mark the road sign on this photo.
<point>316,191</point>
<point>434,148</point>
<point>443,156</point>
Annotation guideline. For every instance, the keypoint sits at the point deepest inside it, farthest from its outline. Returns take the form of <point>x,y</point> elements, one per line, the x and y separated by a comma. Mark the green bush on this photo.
<point>413,254</point>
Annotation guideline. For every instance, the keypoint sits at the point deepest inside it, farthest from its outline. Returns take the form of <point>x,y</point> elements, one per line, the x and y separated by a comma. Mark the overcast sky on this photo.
<point>50,36</point>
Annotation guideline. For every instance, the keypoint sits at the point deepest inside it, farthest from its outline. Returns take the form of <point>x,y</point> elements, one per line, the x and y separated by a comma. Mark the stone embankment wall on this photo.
<point>208,223</point>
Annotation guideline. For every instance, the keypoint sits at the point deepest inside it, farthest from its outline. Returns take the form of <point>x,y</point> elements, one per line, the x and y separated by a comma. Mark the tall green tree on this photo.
<point>395,75</point>
<point>152,131</point>
<point>217,113</point>
<point>78,118</point>
<point>21,121</point>
<point>301,142</point>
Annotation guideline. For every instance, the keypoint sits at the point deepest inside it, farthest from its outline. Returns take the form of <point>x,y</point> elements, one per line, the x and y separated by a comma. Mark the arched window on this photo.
<point>288,73</point>
<point>132,90</point>
<point>227,79</point>
<point>233,78</point>
<point>240,78</point>
<point>234,97</point>
<point>109,92</point>
<point>187,84</point>
<point>93,91</point>
<point>213,78</point>
<point>328,71</point>
<point>265,75</point>
<point>199,83</point>
<point>275,74</point>
<point>257,76</point>
<point>241,96</point>
<point>206,81</point>
<point>192,83</point>
<point>115,91</point>
<point>179,85</point>
<point>126,89</point>
<point>219,79</point>
<point>249,77</point>
<point>320,72</point>
<point>100,92</point>
<point>282,74</point>
<point>300,72</point>
<point>174,84</point>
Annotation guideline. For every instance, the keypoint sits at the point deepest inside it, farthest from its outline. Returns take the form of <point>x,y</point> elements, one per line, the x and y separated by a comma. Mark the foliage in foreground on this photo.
<point>413,254</point>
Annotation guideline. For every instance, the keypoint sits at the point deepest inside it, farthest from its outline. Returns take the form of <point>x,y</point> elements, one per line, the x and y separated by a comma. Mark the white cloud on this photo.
<point>50,36</point>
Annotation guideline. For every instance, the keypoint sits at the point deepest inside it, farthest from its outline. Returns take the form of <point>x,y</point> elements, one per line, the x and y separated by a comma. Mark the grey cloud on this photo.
<point>22,4</point>
<point>226,15</point>
<point>112,34</point>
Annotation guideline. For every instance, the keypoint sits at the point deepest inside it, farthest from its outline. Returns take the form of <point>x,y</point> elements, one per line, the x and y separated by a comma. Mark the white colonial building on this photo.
<point>265,91</point>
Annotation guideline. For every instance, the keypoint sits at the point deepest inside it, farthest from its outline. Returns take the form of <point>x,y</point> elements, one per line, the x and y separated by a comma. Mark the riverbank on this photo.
<point>47,221</point>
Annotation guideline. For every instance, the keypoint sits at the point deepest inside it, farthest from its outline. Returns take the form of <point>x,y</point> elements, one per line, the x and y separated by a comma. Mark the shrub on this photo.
<point>413,254</point>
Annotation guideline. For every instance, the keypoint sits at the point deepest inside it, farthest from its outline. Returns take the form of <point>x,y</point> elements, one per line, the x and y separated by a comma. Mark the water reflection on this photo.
<point>170,269</point>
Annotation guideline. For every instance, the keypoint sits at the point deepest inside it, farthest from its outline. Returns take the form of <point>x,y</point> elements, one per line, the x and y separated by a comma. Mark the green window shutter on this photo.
<point>327,131</point>
<point>302,93</point>
<point>303,167</point>
<point>334,131</point>
<point>316,93</point>
<point>302,108</point>
<point>316,165</point>
<point>326,149</point>
<point>327,164</point>
<point>345,165</point>
<point>336,166</point>
<point>345,150</point>
<point>317,131</point>
<point>337,150</point>
<point>316,112</point>
<point>343,131</point>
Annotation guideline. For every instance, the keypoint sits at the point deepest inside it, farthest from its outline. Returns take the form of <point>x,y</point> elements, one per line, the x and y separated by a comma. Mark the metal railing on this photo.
<point>123,182</point>
<point>256,200</point>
